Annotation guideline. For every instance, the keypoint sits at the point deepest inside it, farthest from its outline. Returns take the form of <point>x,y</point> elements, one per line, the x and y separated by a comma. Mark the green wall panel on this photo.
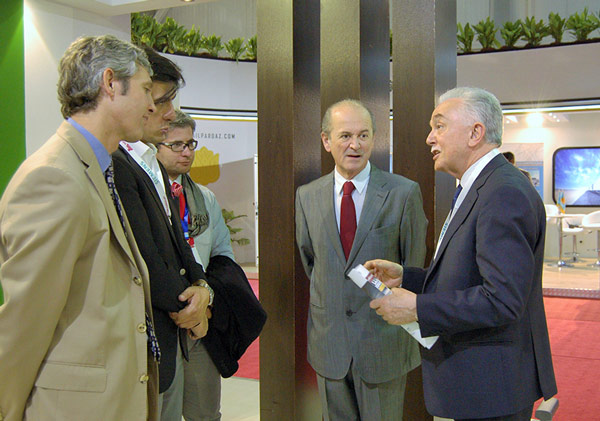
<point>12,83</point>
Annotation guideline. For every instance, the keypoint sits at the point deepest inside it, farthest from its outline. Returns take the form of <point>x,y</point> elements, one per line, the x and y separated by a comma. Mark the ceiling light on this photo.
<point>534,120</point>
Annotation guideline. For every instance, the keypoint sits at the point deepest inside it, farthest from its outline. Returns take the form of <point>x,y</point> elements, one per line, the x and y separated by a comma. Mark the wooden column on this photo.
<point>424,66</point>
<point>355,50</point>
<point>289,156</point>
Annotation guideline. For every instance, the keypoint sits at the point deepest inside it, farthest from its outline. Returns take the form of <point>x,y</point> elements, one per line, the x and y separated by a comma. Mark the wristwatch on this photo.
<point>211,294</point>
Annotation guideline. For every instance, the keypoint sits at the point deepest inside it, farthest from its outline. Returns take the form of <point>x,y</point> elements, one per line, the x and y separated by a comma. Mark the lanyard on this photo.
<point>158,185</point>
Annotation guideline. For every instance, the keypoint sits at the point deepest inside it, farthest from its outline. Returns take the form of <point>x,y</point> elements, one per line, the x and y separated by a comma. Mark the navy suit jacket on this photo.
<point>482,294</point>
<point>170,261</point>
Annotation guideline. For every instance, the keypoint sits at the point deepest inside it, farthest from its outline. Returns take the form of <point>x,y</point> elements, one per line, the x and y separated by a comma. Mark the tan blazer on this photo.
<point>73,343</point>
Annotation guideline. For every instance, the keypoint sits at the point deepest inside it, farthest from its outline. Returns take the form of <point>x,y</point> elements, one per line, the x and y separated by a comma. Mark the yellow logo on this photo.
<point>205,168</point>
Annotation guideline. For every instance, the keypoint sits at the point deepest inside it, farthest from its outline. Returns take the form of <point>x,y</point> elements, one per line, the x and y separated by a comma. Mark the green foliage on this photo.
<point>251,48</point>
<point>229,216</point>
<point>464,38</point>
<point>174,35</point>
<point>534,31</point>
<point>511,32</point>
<point>235,47</point>
<point>556,27</point>
<point>212,44</point>
<point>146,31</point>
<point>486,34</point>
<point>582,24</point>
<point>192,42</point>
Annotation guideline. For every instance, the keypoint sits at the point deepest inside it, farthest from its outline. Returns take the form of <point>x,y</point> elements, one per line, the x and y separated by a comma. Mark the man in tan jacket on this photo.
<point>77,321</point>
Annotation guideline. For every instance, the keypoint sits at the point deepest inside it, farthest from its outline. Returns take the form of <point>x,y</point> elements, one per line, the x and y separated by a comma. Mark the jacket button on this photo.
<point>137,280</point>
<point>144,378</point>
<point>182,271</point>
<point>141,328</point>
<point>349,313</point>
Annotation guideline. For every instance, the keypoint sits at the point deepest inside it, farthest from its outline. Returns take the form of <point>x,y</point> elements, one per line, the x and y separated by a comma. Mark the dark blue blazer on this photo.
<point>171,264</point>
<point>482,295</point>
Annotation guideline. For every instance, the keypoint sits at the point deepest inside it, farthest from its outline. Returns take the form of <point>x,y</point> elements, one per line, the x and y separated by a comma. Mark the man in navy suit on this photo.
<point>482,293</point>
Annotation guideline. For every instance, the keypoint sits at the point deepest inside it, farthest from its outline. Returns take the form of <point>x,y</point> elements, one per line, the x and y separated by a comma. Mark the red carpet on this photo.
<point>249,363</point>
<point>574,326</point>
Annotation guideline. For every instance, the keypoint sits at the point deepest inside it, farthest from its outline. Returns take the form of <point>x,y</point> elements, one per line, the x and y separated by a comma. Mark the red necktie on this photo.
<point>347,219</point>
<point>177,191</point>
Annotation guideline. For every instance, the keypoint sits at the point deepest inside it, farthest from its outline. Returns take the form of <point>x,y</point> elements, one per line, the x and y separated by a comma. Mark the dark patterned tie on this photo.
<point>347,219</point>
<point>109,175</point>
<point>456,193</point>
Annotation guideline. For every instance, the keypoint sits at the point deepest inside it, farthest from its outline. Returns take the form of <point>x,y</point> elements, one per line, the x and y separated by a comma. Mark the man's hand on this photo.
<point>397,308</point>
<point>194,312</point>
<point>389,273</point>
<point>200,330</point>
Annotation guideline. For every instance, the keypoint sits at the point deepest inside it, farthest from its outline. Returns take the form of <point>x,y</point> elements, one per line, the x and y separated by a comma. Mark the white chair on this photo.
<point>572,226</point>
<point>551,210</point>
<point>591,222</point>
<point>553,217</point>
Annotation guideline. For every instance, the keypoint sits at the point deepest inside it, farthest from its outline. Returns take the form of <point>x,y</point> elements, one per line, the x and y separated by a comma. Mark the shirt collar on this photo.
<point>474,170</point>
<point>98,148</point>
<point>143,149</point>
<point>360,181</point>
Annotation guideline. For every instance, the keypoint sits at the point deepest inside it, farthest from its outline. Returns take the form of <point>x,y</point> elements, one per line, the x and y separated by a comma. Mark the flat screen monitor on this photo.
<point>576,172</point>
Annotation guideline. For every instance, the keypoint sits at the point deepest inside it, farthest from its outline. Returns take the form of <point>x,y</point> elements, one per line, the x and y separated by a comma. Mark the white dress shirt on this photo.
<point>466,182</point>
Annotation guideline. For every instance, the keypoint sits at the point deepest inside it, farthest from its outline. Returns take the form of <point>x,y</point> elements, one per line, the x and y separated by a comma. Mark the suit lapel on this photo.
<point>328,215</point>
<point>96,177</point>
<point>464,211</point>
<point>373,204</point>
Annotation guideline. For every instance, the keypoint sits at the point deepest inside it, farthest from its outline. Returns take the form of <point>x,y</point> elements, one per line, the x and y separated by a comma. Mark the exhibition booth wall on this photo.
<point>226,90</point>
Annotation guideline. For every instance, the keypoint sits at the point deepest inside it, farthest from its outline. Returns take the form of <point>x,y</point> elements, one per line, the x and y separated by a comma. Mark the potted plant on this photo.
<point>464,38</point>
<point>235,47</point>
<point>556,27</point>
<point>511,32</point>
<point>534,31</point>
<point>582,24</point>
<point>486,34</point>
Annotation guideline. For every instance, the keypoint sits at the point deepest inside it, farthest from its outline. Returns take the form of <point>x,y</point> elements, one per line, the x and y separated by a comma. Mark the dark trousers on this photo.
<point>524,415</point>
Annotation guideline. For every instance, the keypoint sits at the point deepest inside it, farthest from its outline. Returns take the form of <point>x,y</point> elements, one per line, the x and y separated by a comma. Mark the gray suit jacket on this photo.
<point>341,326</point>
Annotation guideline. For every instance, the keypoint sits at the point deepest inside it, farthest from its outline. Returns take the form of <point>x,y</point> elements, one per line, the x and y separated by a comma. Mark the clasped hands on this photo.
<point>194,316</point>
<point>399,307</point>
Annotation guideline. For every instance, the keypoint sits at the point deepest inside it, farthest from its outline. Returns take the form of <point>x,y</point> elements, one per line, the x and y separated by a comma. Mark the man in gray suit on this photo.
<point>347,217</point>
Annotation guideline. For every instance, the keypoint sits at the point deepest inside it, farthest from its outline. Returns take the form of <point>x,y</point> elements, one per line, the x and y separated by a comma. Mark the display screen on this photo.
<point>576,175</point>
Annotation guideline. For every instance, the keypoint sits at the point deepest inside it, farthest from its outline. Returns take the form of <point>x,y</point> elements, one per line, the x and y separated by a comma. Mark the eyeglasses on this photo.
<point>180,146</point>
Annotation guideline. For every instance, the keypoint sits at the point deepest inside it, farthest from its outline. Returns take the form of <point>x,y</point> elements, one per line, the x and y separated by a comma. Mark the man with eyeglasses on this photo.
<point>208,236</point>
<point>180,293</point>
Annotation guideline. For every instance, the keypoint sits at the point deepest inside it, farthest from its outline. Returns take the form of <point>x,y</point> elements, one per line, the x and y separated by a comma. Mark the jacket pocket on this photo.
<point>72,377</point>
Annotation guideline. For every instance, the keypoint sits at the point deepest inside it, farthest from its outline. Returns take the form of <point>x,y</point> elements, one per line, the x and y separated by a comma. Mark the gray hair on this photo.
<point>182,120</point>
<point>326,123</point>
<point>82,67</point>
<point>481,106</point>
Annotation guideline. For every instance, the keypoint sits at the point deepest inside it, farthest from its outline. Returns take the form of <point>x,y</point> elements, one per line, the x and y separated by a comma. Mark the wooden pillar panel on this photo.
<point>355,64</point>
<point>424,66</point>
<point>289,155</point>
